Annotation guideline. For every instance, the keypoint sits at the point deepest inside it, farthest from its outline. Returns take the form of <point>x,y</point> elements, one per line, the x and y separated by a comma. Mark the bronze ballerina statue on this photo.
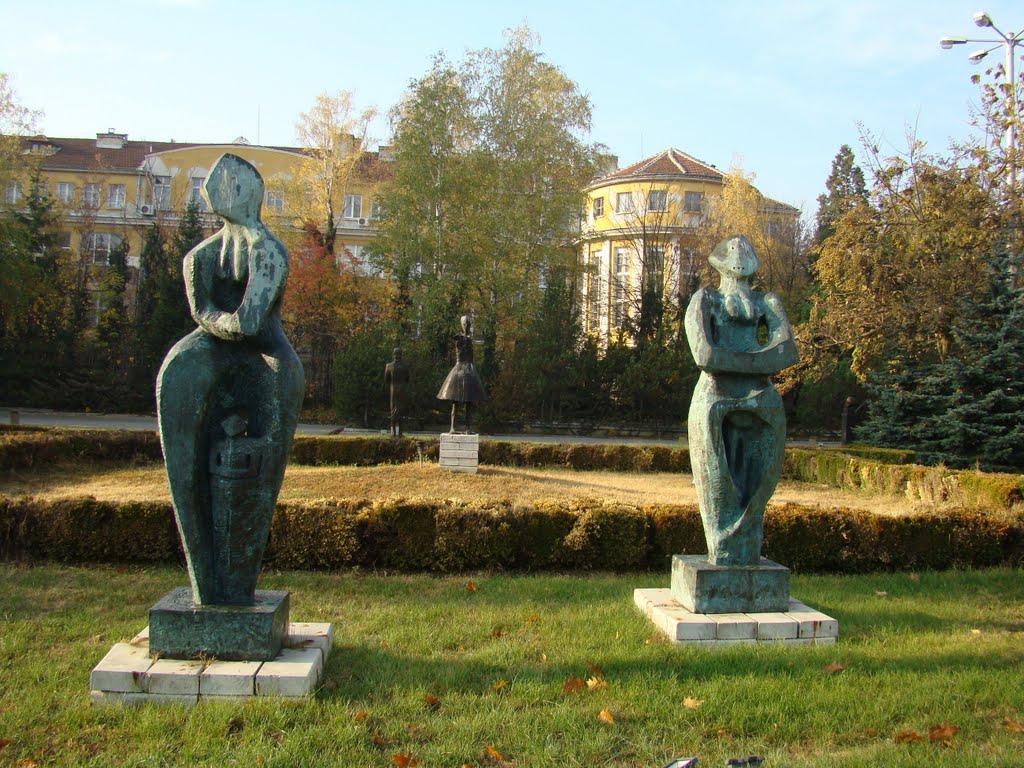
<point>463,385</point>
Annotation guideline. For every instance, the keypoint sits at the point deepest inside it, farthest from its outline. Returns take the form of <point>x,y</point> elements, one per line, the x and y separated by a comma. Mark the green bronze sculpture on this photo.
<point>228,399</point>
<point>737,431</point>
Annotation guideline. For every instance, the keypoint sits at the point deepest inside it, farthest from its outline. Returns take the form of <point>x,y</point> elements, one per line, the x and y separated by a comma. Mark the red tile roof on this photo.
<point>84,154</point>
<point>671,162</point>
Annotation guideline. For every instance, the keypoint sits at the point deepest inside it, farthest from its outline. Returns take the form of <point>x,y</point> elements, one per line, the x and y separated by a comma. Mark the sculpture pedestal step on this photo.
<point>179,629</point>
<point>705,588</point>
<point>128,674</point>
<point>459,453</point>
<point>797,625</point>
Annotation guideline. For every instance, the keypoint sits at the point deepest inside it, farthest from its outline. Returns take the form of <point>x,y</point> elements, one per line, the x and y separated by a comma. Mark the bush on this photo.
<point>452,536</point>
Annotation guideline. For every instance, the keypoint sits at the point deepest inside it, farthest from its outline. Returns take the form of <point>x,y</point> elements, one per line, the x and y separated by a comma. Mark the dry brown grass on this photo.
<point>407,480</point>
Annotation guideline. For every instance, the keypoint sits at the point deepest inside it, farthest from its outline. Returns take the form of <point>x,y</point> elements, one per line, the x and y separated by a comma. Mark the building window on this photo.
<point>624,202</point>
<point>66,192</point>
<point>594,302</point>
<point>692,202</point>
<point>12,193</point>
<point>620,286</point>
<point>64,241</point>
<point>115,196</point>
<point>91,196</point>
<point>376,208</point>
<point>98,246</point>
<point>195,192</point>
<point>657,200</point>
<point>353,206</point>
<point>598,207</point>
<point>654,269</point>
<point>274,199</point>
<point>162,193</point>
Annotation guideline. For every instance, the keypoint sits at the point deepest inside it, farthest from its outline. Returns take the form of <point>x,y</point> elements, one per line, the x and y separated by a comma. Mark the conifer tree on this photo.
<point>844,186</point>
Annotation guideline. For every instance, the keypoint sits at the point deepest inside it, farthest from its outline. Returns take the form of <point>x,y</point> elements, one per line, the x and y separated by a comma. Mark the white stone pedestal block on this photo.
<point>129,675</point>
<point>799,625</point>
<point>459,453</point>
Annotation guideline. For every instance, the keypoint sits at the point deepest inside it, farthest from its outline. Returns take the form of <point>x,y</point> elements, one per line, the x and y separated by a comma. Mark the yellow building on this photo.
<point>112,190</point>
<point>641,227</point>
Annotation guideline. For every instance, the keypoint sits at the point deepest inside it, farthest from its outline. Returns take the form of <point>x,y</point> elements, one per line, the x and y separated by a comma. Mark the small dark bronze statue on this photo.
<point>396,380</point>
<point>463,385</point>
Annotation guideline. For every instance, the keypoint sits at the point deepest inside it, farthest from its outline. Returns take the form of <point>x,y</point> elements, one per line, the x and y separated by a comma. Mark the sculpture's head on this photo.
<point>397,353</point>
<point>734,257</point>
<point>234,189</point>
<point>467,324</point>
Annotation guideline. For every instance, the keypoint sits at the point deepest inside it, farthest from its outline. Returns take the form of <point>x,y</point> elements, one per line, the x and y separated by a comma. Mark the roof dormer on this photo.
<point>111,140</point>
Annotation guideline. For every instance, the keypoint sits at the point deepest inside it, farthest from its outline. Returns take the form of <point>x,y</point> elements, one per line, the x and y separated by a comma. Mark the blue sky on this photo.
<point>778,86</point>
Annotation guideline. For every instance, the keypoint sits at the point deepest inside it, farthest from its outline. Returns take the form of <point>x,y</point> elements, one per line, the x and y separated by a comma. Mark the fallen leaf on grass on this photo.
<point>871,732</point>
<point>1012,725</point>
<point>4,743</point>
<point>543,658</point>
<point>943,734</point>
<point>499,686</point>
<point>573,684</point>
<point>377,739</point>
<point>494,755</point>
<point>413,729</point>
<point>975,632</point>
<point>534,618</point>
<point>496,633</point>
<point>26,764</point>
<point>595,669</point>
<point>432,701</point>
<point>831,669</point>
<point>691,703</point>
<point>880,593</point>
<point>905,737</point>
<point>597,684</point>
<point>470,586</point>
<point>403,760</point>
<point>605,716</point>
<point>360,717</point>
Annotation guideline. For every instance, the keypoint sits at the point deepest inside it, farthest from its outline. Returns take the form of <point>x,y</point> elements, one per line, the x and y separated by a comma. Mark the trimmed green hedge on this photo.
<point>967,488</point>
<point>450,536</point>
<point>853,468</point>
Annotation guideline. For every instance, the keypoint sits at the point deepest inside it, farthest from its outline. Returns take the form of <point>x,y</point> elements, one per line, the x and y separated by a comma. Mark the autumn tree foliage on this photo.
<point>328,301</point>
<point>488,183</point>
<point>334,135</point>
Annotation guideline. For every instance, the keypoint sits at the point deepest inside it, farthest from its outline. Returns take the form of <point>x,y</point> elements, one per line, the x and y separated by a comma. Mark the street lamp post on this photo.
<point>1009,41</point>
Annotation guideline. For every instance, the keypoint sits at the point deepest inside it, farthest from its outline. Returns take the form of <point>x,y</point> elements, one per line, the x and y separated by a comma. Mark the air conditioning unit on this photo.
<point>362,222</point>
<point>147,210</point>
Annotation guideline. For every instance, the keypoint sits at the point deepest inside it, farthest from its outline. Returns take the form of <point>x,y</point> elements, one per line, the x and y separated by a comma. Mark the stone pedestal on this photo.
<point>798,624</point>
<point>128,674</point>
<point>705,588</point>
<point>180,629</point>
<point>460,453</point>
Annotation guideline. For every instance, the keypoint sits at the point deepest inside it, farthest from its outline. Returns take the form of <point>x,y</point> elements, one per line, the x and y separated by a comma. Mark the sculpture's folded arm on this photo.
<point>268,271</point>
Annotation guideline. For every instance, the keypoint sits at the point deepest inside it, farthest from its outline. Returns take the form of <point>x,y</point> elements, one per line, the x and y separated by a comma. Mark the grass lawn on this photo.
<point>520,485</point>
<point>916,651</point>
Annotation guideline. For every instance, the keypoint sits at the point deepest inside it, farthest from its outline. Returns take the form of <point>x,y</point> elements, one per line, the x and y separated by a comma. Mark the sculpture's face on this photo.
<point>735,257</point>
<point>466,324</point>
<point>233,189</point>
<point>397,354</point>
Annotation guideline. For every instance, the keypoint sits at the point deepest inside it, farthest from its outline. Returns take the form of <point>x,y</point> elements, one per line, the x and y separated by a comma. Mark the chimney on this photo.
<point>386,152</point>
<point>111,140</point>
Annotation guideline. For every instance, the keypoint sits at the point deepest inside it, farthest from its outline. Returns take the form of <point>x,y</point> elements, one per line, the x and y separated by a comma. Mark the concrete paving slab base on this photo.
<point>799,625</point>
<point>128,674</point>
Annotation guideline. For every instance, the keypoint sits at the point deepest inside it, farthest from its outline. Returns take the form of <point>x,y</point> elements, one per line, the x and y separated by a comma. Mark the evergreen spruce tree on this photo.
<point>844,188</point>
<point>984,423</point>
<point>967,410</point>
<point>112,332</point>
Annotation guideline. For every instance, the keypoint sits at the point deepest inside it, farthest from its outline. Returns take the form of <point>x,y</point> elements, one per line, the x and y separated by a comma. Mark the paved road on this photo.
<point>44,418</point>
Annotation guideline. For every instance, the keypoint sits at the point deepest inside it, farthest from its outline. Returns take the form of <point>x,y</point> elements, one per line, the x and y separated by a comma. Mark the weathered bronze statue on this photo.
<point>463,385</point>
<point>228,399</point>
<point>396,379</point>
